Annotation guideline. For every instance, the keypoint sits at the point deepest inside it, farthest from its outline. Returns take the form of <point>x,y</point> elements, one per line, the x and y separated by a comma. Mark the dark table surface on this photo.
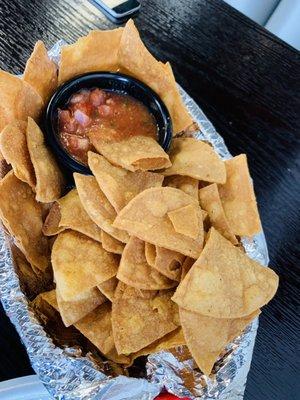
<point>248,83</point>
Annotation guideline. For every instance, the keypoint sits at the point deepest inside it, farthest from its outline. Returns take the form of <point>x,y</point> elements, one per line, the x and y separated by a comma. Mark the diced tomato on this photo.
<point>86,108</point>
<point>168,396</point>
<point>97,97</point>
<point>82,118</point>
<point>104,110</point>
<point>75,143</point>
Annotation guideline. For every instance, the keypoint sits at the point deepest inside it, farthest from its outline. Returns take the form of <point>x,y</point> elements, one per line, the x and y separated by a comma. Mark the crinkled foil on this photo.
<point>68,376</point>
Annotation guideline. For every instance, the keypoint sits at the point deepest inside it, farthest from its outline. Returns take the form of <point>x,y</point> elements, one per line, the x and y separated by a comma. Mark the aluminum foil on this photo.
<point>68,376</point>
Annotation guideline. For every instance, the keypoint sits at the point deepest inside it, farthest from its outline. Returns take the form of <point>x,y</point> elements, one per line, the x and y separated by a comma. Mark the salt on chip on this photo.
<point>139,321</point>
<point>168,263</point>
<point>206,337</point>
<point>150,253</point>
<point>108,287</point>
<point>51,225</point>
<point>17,203</point>
<point>197,159</point>
<point>136,272</point>
<point>97,206</point>
<point>41,72</point>
<point>95,52</point>
<point>118,184</point>
<point>49,179</point>
<point>111,244</point>
<point>80,263</point>
<point>238,198</point>
<point>185,183</point>
<point>224,282</point>
<point>19,100</point>
<point>186,220</point>
<point>146,217</point>
<point>210,201</point>
<point>13,146</point>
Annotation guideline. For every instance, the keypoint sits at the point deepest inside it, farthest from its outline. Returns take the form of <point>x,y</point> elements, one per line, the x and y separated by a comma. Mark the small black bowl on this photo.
<point>108,81</point>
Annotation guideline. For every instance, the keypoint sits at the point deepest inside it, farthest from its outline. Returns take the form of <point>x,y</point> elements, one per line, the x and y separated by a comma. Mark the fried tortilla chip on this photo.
<point>146,217</point>
<point>224,282</point>
<point>13,146</point>
<point>97,206</point>
<point>185,183</point>
<point>118,184</point>
<point>186,220</point>
<point>206,337</point>
<point>51,225</point>
<point>238,198</point>
<point>186,266</point>
<point>111,244</point>
<point>150,253</point>
<point>19,100</point>
<point>41,72</point>
<point>108,287</point>
<point>80,263</point>
<point>138,321</point>
<point>22,216</point>
<point>168,263</point>
<point>135,271</point>
<point>135,153</point>
<point>210,201</point>
<point>197,159</point>
<point>49,179</point>
<point>95,52</point>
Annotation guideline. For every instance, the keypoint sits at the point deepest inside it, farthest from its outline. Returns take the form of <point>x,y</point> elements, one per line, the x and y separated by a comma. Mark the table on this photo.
<point>248,83</point>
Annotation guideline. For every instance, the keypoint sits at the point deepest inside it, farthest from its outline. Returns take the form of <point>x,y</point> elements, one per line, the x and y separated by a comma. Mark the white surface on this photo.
<point>25,388</point>
<point>258,10</point>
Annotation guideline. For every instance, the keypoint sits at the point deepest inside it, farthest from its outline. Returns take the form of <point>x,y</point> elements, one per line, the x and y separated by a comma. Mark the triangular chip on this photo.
<point>150,253</point>
<point>197,159</point>
<point>97,206</point>
<point>19,100</point>
<point>80,263</point>
<point>139,321</point>
<point>146,217</point>
<point>135,271</point>
<point>118,184</point>
<point>51,225</point>
<point>49,179</point>
<point>186,220</point>
<point>41,72</point>
<point>21,214</point>
<point>224,282</point>
<point>168,263</point>
<point>185,183</point>
<point>13,146</point>
<point>238,198</point>
<point>206,337</point>
<point>95,52</point>
<point>108,287</point>
<point>210,201</point>
<point>109,243</point>
<point>186,266</point>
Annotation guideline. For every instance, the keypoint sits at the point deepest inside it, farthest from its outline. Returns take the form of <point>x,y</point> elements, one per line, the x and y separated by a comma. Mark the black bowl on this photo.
<point>110,81</point>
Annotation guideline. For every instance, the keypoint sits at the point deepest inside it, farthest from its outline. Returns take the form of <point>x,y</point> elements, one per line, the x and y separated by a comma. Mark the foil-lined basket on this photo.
<point>69,376</point>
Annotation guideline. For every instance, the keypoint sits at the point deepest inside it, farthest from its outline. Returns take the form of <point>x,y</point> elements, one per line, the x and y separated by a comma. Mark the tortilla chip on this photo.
<point>206,337</point>
<point>185,183</point>
<point>51,225</point>
<point>197,159</point>
<point>187,220</point>
<point>146,217</point>
<point>79,264</point>
<point>169,263</point>
<point>4,166</point>
<point>118,184</point>
<point>135,271</point>
<point>41,72</point>
<point>111,244</point>
<point>18,100</point>
<point>108,287</point>
<point>138,321</point>
<point>210,201</point>
<point>17,203</point>
<point>150,253</point>
<point>137,61</point>
<point>238,198</point>
<point>49,179</point>
<point>97,206</point>
<point>224,282</point>
<point>186,266</point>
<point>95,52</point>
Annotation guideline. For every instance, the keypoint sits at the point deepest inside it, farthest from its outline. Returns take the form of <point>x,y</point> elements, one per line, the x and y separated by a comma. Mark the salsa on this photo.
<point>115,115</point>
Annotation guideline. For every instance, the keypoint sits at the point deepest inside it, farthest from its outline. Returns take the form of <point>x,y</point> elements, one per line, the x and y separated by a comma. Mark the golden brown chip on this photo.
<point>210,201</point>
<point>206,337</point>
<point>186,266</point>
<point>238,198</point>
<point>22,216</point>
<point>41,72</point>
<point>197,159</point>
<point>97,206</point>
<point>19,100</point>
<point>186,220</point>
<point>135,271</point>
<point>138,321</point>
<point>168,263</point>
<point>80,263</point>
<point>109,243</point>
<point>108,287</point>
<point>13,146</point>
<point>224,282</point>
<point>150,253</point>
<point>146,217</point>
<point>95,52</point>
<point>4,166</point>
<point>185,183</point>
<point>51,225</point>
<point>118,184</point>
<point>49,179</point>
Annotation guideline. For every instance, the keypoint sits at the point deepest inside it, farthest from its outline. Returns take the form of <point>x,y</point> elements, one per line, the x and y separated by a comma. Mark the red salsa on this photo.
<point>117,116</point>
